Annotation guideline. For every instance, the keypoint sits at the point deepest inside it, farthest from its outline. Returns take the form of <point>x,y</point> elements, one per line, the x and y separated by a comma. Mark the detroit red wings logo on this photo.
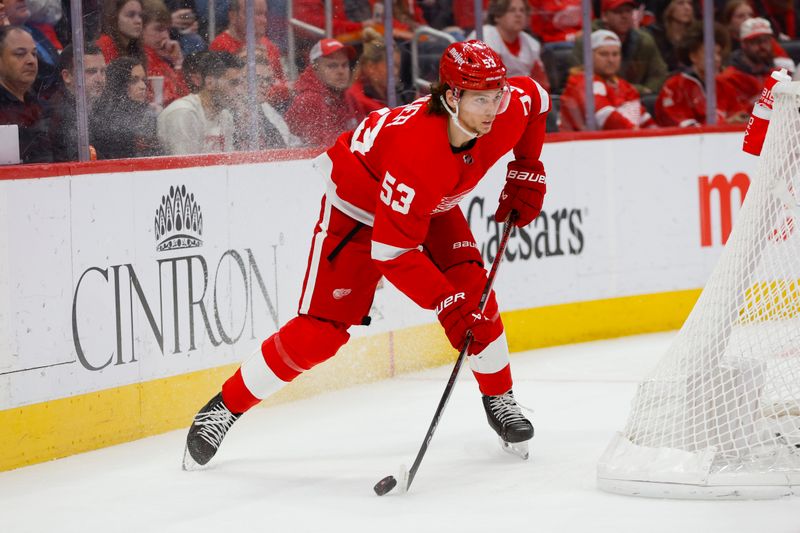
<point>338,294</point>
<point>449,202</point>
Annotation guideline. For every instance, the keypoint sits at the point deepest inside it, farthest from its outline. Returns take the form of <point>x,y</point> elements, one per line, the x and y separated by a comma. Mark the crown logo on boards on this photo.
<point>178,221</point>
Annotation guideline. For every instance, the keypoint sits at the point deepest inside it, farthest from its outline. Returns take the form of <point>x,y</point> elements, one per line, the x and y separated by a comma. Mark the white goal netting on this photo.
<point>720,414</point>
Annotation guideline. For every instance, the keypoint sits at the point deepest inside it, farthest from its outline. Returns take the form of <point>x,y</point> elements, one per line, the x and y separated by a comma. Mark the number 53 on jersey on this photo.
<point>396,195</point>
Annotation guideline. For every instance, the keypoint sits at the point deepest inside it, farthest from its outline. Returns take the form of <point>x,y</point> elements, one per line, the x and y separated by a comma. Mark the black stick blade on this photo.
<point>385,485</point>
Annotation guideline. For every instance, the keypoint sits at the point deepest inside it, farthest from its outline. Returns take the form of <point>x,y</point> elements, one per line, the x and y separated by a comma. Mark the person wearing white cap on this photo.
<point>616,102</point>
<point>642,64</point>
<point>320,111</point>
<point>754,61</point>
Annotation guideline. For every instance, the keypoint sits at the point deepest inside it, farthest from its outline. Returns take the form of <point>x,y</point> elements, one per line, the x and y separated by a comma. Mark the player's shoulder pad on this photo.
<point>540,99</point>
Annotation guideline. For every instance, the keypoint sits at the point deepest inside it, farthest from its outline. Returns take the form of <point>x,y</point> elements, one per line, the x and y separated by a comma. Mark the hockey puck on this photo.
<point>385,485</point>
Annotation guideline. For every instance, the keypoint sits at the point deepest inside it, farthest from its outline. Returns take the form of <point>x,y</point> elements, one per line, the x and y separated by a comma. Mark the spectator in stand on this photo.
<point>616,102</point>
<point>62,106</point>
<point>464,13</point>
<point>783,15</point>
<point>123,121</point>
<point>191,70</point>
<point>557,21</point>
<point>674,23</point>
<point>18,103</point>
<point>47,78</point>
<point>348,16</point>
<point>733,15</point>
<point>273,130</point>
<point>642,64</point>
<point>369,91</point>
<point>202,123</point>
<point>682,100</point>
<point>122,29</point>
<point>92,21</point>
<point>45,14</point>
<point>752,63</point>
<point>185,26</point>
<point>232,40</point>
<point>220,8</point>
<point>439,14</point>
<point>163,55</point>
<point>521,53</point>
<point>320,111</point>
<point>407,13</point>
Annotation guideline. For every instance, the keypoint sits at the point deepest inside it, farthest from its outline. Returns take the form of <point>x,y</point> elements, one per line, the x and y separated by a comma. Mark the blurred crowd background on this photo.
<point>172,77</point>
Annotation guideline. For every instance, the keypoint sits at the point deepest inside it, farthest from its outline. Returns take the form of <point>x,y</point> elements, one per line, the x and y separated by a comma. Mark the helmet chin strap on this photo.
<point>454,117</point>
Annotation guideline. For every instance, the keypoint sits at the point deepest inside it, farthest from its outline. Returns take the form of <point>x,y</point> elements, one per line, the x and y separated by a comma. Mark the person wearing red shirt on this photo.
<point>464,12</point>
<point>556,20</point>
<point>164,58</point>
<point>752,63</point>
<point>232,40</point>
<point>313,12</point>
<point>122,29</point>
<point>391,210</point>
<point>320,112</point>
<point>616,102</point>
<point>682,100</point>
<point>783,16</point>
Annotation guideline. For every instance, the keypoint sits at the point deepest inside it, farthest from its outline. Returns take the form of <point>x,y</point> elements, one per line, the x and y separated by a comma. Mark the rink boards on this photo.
<point>129,291</point>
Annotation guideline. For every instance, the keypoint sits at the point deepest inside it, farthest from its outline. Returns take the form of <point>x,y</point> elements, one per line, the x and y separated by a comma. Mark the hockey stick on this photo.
<point>406,477</point>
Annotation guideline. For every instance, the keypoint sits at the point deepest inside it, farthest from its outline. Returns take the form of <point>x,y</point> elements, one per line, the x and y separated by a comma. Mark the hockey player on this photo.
<point>616,102</point>
<point>391,210</point>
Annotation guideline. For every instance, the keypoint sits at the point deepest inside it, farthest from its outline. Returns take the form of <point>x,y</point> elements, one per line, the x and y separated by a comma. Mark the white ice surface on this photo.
<point>310,465</point>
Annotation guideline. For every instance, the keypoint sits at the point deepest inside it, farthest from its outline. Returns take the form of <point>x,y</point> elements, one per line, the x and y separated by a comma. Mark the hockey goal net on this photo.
<point>719,417</point>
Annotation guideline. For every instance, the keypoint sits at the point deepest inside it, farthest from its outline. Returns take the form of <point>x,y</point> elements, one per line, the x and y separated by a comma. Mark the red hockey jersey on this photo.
<point>397,170</point>
<point>617,105</point>
<point>682,101</point>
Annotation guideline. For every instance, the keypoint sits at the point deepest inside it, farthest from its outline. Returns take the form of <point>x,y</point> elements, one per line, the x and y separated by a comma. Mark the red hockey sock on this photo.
<point>236,395</point>
<point>494,384</point>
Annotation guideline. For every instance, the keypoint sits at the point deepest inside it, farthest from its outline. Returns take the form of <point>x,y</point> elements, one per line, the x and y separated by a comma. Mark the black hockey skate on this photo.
<point>507,420</point>
<point>208,429</point>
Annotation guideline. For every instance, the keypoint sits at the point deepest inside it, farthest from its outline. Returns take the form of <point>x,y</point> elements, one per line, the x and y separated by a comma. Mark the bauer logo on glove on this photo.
<point>525,176</point>
<point>524,193</point>
<point>450,300</point>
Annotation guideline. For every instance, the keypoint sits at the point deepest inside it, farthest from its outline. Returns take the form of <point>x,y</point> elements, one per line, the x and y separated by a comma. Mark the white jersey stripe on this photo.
<point>543,98</point>
<point>602,115</point>
<point>316,255</point>
<point>323,164</point>
<point>386,252</point>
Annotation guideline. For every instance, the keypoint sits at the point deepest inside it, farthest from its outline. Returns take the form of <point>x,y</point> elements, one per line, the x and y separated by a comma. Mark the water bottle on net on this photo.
<point>759,118</point>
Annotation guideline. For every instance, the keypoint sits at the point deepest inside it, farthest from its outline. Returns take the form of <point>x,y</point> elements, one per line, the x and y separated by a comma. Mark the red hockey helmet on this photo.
<point>472,66</point>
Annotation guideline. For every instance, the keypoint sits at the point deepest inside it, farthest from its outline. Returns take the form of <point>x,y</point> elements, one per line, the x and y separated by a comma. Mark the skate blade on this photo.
<point>189,464</point>
<point>519,449</point>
